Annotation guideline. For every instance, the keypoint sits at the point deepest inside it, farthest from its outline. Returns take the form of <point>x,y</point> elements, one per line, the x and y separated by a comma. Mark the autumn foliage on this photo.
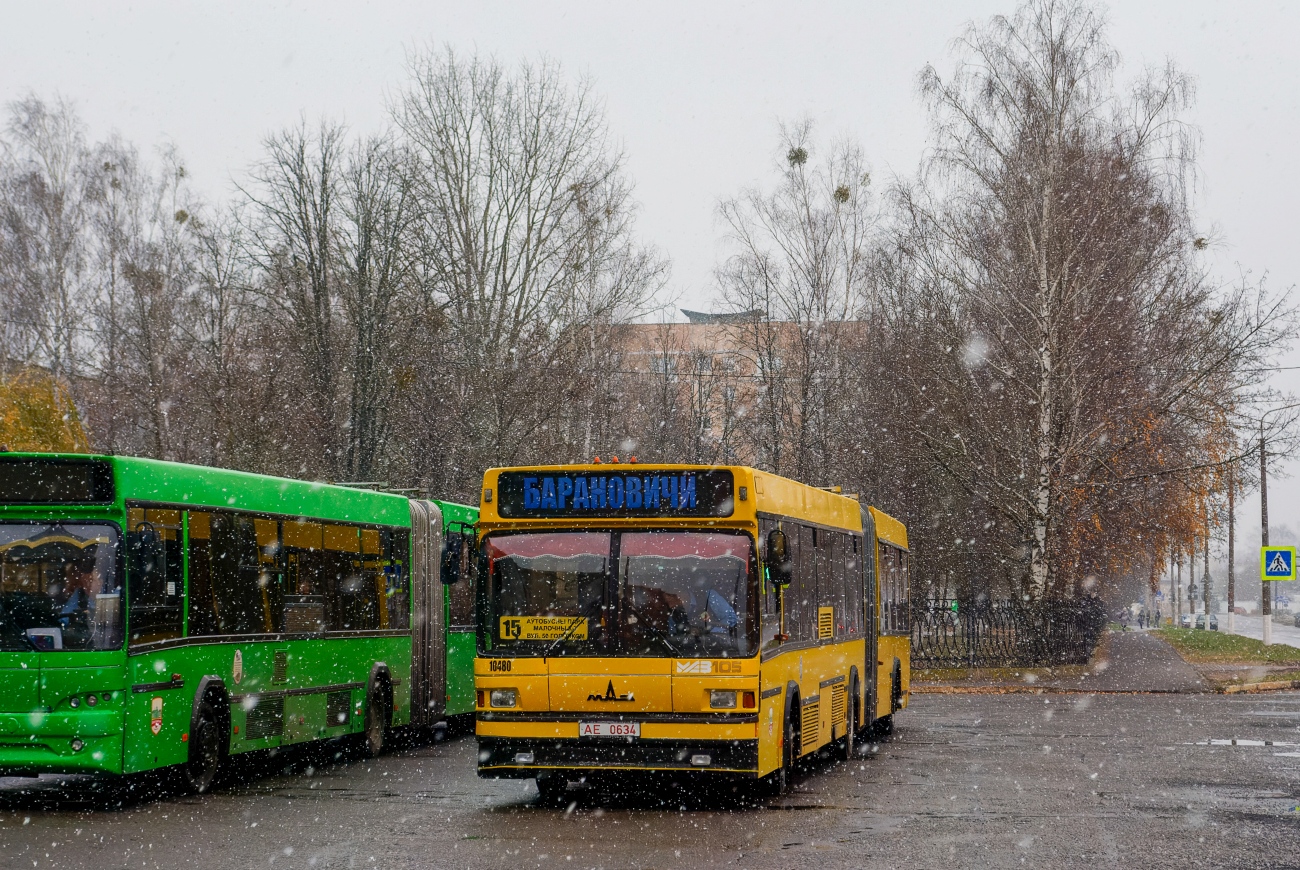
<point>37,413</point>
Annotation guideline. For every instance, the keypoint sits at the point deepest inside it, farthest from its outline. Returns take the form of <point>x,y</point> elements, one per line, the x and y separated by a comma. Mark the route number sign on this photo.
<point>1277,563</point>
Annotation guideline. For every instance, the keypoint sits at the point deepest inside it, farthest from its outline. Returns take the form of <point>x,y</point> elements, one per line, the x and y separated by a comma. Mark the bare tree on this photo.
<point>1072,348</point>
<point>802,257</point>
<point>43,235</point>
<point>526,223</point>
<point>292,240</point>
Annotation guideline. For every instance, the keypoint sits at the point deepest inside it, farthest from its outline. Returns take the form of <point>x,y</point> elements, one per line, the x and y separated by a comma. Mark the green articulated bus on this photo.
<point>158,615</point>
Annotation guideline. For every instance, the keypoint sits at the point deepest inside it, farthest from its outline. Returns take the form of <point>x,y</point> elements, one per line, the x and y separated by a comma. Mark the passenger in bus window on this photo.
<point>718,617</point>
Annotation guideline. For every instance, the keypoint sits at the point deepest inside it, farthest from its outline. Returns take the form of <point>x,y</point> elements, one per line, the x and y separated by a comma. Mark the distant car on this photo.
<point>1297,620</point>
<point>1214,621</point>
<point>1185,621</point>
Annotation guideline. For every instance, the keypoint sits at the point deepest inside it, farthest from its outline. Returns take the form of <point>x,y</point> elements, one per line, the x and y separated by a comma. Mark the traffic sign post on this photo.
<point>1277,563</point>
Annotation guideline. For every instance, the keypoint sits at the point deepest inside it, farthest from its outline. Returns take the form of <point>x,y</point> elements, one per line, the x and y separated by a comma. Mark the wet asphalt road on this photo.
<point>966,781</point>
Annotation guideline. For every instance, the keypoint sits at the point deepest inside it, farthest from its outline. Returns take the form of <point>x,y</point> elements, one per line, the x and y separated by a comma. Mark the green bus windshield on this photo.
<point>60,587</point>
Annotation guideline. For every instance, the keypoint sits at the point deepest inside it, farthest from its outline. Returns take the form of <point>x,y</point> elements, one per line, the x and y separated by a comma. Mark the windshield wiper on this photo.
<point>662,635</point>
<point>568,632</point>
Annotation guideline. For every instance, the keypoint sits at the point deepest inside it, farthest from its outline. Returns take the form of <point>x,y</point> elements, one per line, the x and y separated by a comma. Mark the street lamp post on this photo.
<point>1266,590</point>
<point>1178,584</point>
<point>1205,573</point>
<point>1232,570</point>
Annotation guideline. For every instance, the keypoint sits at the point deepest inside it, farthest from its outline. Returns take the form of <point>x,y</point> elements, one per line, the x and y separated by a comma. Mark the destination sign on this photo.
<point>545,494</point>
<point>543,627</point>
<point>32,480</point>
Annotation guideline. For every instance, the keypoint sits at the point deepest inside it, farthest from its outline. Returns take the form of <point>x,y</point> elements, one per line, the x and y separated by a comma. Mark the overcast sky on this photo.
<point>694,91</point>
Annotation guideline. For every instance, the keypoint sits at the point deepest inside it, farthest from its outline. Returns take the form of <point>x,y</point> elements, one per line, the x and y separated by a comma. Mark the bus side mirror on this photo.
<point>778,558</point>
<point>452,552</point>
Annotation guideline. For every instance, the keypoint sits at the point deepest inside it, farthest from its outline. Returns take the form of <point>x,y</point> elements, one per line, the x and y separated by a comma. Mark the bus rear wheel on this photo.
<point>206,748</point>
<point>789,757</point>
<point>376,721</point>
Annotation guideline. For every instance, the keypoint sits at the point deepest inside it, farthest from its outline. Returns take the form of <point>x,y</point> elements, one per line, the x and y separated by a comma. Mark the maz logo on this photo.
<point>610,695</point>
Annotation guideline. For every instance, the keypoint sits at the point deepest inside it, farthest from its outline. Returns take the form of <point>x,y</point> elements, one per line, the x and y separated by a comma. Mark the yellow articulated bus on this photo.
<point>679,618</point>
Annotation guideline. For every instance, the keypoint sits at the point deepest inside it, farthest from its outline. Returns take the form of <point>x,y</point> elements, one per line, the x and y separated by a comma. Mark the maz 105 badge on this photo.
<point>543,627</point>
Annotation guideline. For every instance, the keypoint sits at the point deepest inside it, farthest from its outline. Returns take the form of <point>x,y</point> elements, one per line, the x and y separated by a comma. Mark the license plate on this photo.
<point>609,729</point>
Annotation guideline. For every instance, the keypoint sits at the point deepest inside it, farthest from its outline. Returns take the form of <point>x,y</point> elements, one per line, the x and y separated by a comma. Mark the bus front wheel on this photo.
<point>207,744</point>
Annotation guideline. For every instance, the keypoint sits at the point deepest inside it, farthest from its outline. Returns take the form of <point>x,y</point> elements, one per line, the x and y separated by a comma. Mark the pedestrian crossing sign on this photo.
<point>1277,563</point>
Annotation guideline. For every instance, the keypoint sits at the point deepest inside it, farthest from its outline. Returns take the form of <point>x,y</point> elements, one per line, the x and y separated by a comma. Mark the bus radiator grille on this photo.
<point>266,719</point>
<point>839,704</point>
<point>338,709</point>
<point>810,731</point>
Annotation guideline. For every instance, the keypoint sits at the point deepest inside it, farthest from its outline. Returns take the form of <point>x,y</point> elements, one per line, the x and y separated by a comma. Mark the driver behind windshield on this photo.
<point>682,591</point>
<point>80,582</point>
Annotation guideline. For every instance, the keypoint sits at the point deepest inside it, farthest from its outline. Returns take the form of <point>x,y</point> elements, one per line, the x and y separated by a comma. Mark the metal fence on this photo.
<point>998,634</point>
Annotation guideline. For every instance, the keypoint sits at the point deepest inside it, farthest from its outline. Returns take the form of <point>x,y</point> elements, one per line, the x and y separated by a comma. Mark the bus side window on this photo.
<point>853,585</point>
<point>904,593</point>
<point>806,581</point>
<point>353,598</point>
<point>886,589</point>
<point>840,544</point>
<point>236,571</point>
<point>397,579</point>
<point>202,596</point>
<point>304,588</point>
<point>155,583</point>
<point>893,590</point>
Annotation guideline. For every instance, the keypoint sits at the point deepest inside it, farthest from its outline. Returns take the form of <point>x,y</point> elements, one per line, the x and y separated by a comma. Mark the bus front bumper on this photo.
<point>35,743</point>
<point>525,758</point>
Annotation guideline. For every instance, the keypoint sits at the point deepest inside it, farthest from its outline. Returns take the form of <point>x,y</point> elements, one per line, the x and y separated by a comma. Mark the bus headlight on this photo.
<point>503,697</point>
<point>724,699</point>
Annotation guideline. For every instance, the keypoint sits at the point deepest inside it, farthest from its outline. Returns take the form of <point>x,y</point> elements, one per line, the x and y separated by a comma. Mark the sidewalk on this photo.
<point>1126,661</point>
<point>1135,661</point>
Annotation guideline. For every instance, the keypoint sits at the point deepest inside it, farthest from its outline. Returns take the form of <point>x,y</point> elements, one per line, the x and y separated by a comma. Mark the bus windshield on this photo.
<point>657,593</point>
<point>60,587</point>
